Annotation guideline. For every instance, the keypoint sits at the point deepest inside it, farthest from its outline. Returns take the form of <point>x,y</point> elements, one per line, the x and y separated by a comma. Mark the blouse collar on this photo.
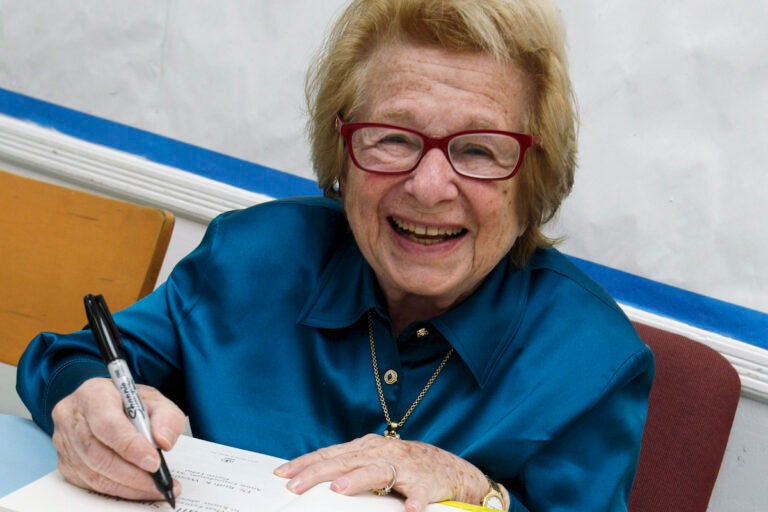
<point>481,328</point>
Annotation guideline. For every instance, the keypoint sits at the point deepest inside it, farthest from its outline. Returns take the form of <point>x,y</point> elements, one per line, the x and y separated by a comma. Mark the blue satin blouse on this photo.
<point>260,335</point>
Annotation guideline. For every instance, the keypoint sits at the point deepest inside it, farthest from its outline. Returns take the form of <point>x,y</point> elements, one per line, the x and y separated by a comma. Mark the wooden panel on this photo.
<point>57,244</point>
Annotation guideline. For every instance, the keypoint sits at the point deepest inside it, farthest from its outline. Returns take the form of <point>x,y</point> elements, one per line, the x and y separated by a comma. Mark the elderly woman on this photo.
<point>415,333</point>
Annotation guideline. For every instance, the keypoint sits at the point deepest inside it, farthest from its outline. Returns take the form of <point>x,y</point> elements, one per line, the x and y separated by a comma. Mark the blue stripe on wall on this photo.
<point>700,311</point>
<point>156,148</point>
<point>743,324</point>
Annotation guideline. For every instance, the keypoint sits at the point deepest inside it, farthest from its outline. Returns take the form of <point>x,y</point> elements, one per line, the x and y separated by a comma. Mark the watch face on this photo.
<point>493,503</point>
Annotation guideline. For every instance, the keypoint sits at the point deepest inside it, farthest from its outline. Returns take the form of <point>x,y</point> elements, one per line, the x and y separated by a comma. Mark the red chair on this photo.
<point>690,412</point>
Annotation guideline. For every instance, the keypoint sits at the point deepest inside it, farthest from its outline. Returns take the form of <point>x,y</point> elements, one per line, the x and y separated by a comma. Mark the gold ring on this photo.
<point>386,490</point>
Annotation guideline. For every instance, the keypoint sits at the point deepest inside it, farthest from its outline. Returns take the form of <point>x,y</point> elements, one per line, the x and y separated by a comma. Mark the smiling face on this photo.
<point>431,235</point>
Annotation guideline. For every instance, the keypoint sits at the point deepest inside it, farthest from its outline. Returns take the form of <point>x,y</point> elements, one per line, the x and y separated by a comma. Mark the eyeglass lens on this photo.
<point>479,155</point>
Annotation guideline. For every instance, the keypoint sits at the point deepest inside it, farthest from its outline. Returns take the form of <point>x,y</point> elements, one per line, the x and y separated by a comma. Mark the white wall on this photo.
<point>673,96</point>
<point>674,104</point>
<point>740,486</point>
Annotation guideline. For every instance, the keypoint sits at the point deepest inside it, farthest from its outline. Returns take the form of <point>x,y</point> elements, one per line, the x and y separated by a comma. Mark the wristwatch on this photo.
<point>494,500</point>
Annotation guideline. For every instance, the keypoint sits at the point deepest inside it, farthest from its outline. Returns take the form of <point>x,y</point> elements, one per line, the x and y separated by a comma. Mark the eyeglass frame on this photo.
<point>524,140</point>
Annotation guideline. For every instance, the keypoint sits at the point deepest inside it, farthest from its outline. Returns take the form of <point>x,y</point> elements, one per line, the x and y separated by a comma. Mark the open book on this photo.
<point>214,478</point>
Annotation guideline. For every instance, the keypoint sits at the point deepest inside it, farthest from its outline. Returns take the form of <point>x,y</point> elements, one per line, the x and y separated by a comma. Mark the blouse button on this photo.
<point>422,332</point>
<point>390,377</point>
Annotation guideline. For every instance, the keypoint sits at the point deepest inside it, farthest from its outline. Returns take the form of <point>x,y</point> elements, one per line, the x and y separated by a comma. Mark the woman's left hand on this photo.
<point>422,473</point>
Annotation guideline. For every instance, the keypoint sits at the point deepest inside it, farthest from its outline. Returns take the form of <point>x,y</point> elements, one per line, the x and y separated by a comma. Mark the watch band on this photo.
<point>494,500</point>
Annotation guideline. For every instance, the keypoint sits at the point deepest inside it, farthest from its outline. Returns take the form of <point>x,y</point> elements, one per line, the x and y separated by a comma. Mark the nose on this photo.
<point>433,180</point>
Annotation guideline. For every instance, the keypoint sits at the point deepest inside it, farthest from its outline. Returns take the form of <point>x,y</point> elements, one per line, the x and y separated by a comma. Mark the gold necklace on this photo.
<point>391,430</point>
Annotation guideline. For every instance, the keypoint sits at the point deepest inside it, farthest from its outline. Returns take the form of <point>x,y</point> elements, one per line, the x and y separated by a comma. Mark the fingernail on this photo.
<point>282,470</point>
<point>340,485</point>
<point>149,464</point>
<point>294,485</point>
<point>167,436</point>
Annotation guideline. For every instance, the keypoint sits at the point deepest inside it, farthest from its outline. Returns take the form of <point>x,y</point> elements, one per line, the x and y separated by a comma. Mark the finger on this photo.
<point>84,477</point>
<point>323,471</point>
<point>380,475</point>
<point>94,440</point>
<point>103,485</point>
<point>330,469</point>
<point>112,428</point>
<point>96,460</point>
<point>95,402</point>
<point>87,463</point>
<point>167,419</point>
<point>94,437</point>
<point>350,473</point>
<point>293,467</point>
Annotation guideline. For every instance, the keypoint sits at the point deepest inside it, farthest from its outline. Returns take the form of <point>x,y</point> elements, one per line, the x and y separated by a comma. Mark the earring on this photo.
<point>335,190</point>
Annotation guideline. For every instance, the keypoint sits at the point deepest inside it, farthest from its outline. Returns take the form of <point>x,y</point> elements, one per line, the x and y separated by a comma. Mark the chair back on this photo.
<point>690,413</point>
<point>58,244</point>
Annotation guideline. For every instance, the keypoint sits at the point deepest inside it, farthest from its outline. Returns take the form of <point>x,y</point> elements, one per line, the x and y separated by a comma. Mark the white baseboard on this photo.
<point>45,152</point>
<point>83,164</point>
<point>750,361</point>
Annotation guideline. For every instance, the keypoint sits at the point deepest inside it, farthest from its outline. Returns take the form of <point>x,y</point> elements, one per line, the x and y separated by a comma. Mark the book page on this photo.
<point>214,478</point>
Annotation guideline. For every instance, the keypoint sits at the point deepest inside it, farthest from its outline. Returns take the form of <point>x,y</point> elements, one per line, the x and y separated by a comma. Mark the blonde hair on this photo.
<point>526,33</point>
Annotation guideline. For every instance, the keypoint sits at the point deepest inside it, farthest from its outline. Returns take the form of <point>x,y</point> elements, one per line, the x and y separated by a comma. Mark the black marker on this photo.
<point>111,348</point>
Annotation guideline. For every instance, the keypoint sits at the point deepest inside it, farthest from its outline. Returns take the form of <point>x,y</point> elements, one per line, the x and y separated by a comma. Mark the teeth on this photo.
<point>426,230</point>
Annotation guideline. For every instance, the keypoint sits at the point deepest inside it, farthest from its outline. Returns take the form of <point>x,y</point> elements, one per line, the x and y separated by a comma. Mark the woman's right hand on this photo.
<point>99,448</point>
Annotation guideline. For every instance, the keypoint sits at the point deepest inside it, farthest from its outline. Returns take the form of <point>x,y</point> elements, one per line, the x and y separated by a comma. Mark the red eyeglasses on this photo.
<point>481,154</point>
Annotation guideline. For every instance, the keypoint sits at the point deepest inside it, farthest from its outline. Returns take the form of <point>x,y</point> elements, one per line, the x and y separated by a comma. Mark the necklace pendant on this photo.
<point>391,431</point>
